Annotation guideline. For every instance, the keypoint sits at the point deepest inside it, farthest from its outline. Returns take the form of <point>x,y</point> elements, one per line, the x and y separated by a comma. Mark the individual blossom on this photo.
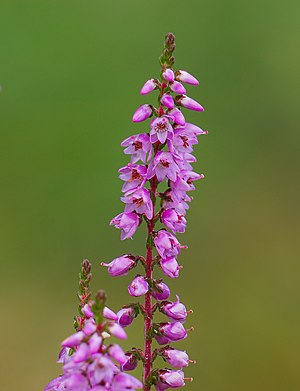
<point>149,86</point>
<point>138,287</point>
<point>116,330</point>
<point>174,310</point>
<point>126,316</point>
<point>134,176</point>
<point>139,201</point>
<point>142,113</point>
<point>188,103</point>
<point>166,244</point>
<point>167,101</point>
<point>161,130</point>
<point>176,116</point>
<point>168,75</point>
<point>160,291</point>
<point>176,358</point>
<point>127,222</point>
<point>131,362</point>
<point>163,165</point>
<point>186,77</point>
<point>177,87</point>
<point>191,128</point>
<point>138,146</point>
<point>117,353</point>
<point>177,201</point>
<point>172,331</point>
<point>123,381</point>
<point>183,141</point>
<point>170,267</point>
<point>184,182</point>
<point>120,266</point>
<point>168,378</point>
<point>109,314</point>
<point>173,220</point>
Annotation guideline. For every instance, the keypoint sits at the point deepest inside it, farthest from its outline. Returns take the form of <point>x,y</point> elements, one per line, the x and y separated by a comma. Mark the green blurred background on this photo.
<point>70,73</point>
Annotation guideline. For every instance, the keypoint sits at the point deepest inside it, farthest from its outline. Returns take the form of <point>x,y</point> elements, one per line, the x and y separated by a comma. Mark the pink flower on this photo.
<point>161,130</point>
<point>134,176</point>
<point>109,314</point>
<point>139,201</point>
<point>167,101</point>
<point>177,87</point>
<point>166,244</point>
<point>117,331</point>
<point>173,220</point>
<point>176,358</point>
<point>176,116</point>
<point>123,381</point>
<point>73,340</point>
<point>126,316</point>
<point>186,77</point>
<point>127,222</point>
<point>138,286</point>
<point>188,103</point>
<point>173,331</point>
<point>138,147</point>
<point>87,312</point>
<point>142,113</point>
<point>120,266</point>
<point>170,379</point>
<point>116,352</point>
<point>160,291</point>
<point>131,362</point>
<point>149,86</point>
<point>170,267</point>
<point>168,75</point>
<point>163,165</point>
<point>174,310</point>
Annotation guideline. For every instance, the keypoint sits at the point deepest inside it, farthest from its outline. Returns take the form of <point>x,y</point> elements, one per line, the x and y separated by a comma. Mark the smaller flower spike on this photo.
<point>188,103</point>
<point>149,86</point>
<point>142,113</point>
<point>186,77</point>
<point>127,222</point>
<point>138,287</point>
<point>120,266</point>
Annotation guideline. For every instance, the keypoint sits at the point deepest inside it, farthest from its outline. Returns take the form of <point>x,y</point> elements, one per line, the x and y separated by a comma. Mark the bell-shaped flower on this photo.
<point>174,310</point>
<point>127,222</point>
<point>139,201</point>
<point>173,220</point>
<point>138,286</point>
<point>176,358</point>
<point>149,86</point>
<point>160,291</point>
<point>186,77</point>
<point>161,130</point>
<point>166,244</point>
<point>142,113</point>
<point>138,146</point>
<point>120,266</point>
<point>170,267</point>
<point>188,103</point>
<point>163,165</point>
<point>134,176</point>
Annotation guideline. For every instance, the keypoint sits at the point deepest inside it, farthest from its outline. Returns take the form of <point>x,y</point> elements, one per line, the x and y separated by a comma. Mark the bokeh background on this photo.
<point>70,73</point>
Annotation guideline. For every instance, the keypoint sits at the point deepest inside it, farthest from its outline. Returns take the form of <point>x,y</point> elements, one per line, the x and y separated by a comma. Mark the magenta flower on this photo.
<point>168,75</point>
<point>126,316</point>
<point>138,287</point>
<point>138,147</point>
<point>161,130</point>
<point>173,220</point>
<point>149,86</point>
<point>167,101</point>
<point>131,362</point>
<point>73,340</point>
<point>116,330</point>
<point>170,267</point>
<point>160,290</point>
<point>117,353</point>
<point>176,358</point>
<point>109,314</point>
<point>123,381</point>
<point>177,87</point>
<point>176,116</point>
<point>127,222</point>
<point>170,379</point>
<point>166,244</point>
<point>172,331</point>
<point>134,176</point>
<point>186,77</point>
<point>120,266</point>
<point>142,113</point>
<point>188,103</point>
<point>191,128</point>
<point>139,201</point>
<point>174,310</point>
<point>163,166</point>
<point>87,312</point>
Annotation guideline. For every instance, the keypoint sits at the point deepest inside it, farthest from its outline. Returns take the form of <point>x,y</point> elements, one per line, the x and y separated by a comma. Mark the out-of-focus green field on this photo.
<point>70,73</point>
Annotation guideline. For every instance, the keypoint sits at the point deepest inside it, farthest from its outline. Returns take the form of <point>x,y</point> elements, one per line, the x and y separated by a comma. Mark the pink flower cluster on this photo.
<point>161,155</point>
<point>89,363</point>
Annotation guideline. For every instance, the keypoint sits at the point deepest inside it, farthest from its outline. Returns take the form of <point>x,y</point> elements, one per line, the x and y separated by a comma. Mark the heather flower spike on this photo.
<point>162,155</point>
<point>156,183</point>
<point>88,362</point>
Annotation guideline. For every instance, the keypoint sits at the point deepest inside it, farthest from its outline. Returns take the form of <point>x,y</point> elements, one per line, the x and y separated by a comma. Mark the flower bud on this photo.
<point>87,312</point>
<point>160,291</point>
<point>73,340</point>
<point>138,286</point>
<point>117,353</point>
<point>166,244</point>
<point>149,86</point>
<point>94,343</point>
<point>131,362</point>
<point>168,75</point>
<point>188,103</point>
<point>142,113</point>
<point>120,266</point>
<point>117,331</point>
<point>126,316</point>
<point>109,314</point>
<point>186,77</point>
<point>176,358</point>
<point>89,327</point>
<point>177,116</point>
<point>167,101</point>
<point>173,331</point>
<point>177,87</point>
